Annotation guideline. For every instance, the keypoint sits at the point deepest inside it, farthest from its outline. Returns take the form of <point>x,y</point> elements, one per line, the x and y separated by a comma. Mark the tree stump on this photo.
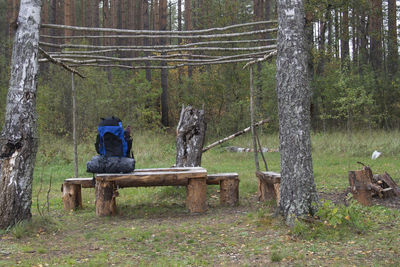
<point>360,184</point>
<point>71,196</point>
<point>196,199</point>
<point>190,135</point>
<point>105,198</point>
<point>229,192</point>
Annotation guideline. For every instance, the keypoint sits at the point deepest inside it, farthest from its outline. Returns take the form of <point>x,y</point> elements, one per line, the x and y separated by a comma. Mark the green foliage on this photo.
<point>352,215</point>
<point>334,222</point>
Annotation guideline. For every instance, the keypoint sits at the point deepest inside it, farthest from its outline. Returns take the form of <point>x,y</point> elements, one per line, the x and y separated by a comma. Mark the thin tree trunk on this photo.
<point>345,50</point>
<point>18,139</point>
<point>298,192</point>
<point>74,126</point>
<point>393,56</point>
<point>164,72</point>
<point>188,27</point>
<point>146,26</point>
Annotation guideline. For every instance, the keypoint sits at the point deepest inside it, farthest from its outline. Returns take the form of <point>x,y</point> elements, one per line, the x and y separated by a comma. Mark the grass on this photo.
<point>154,229</point>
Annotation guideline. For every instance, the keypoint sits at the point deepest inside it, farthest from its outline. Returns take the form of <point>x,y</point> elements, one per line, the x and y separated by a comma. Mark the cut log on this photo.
<point>229,192</point>
<point>105,198</point>
<point>190,135</point>
<point>196,199</point>
<point>360,184</point>
<point>71,196</point>
<point>268,186</point>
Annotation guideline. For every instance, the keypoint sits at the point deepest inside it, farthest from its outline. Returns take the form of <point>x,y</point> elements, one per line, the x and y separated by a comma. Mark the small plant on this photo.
<point>276,256</point>
<point>20,229</point>
<point>352,215</point>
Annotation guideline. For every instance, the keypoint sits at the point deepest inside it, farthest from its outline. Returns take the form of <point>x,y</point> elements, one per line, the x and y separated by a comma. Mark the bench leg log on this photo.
<point>229,192</point>
<point>71,196</point>
<point>105,198</point>
<point>196,199</point>
<point>266,191</point>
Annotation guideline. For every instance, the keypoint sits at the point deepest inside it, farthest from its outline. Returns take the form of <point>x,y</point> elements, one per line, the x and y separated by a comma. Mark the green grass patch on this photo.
<point>153,227</point>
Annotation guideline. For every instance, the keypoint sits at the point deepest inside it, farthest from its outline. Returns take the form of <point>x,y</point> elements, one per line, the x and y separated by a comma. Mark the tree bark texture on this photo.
<point>298,190</point>
<point>18,140</point>
<point>376,34</point>
<point>196,198</point>
<point>105,198</point>
<point>393,56</point>
<point>164,72</point>
<point>360,182</point>
<point>71,196</point>
<point>191,133</point>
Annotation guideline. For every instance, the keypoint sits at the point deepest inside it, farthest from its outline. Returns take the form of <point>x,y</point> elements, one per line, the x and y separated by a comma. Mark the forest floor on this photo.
<point>153,227</point>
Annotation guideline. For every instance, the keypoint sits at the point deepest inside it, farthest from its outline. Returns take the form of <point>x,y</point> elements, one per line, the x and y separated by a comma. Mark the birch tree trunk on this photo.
<point>18,140</point>
<point>298,190</point>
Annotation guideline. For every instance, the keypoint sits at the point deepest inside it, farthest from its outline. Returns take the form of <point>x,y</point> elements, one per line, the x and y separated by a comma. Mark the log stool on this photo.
<point>229,187</point>
<point>71,192</point>
<point>268,186</point>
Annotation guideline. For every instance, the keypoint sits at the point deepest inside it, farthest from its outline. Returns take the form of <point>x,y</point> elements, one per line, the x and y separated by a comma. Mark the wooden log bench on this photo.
<point>268,186</point>
<point>195,179</point>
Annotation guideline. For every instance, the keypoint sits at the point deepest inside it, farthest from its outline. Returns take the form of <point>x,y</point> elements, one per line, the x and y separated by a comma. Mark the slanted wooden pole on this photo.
<point>253,128</point>
<point>74,126</point>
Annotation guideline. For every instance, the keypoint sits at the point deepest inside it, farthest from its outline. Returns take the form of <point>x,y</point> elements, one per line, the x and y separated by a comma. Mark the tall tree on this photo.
<point>345,49</point>
<point>393,56</point>
<point>376,35</point>
<point>164,72</point>
<point>146,26</point>
<point>188,26</point>
<point>298,192</point>
<point>18,139</point>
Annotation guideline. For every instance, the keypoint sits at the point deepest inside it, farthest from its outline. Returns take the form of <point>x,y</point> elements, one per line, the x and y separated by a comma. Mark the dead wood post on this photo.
<point>190,135</point>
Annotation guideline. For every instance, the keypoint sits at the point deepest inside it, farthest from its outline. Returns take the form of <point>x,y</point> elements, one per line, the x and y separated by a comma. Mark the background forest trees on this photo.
<point>355,79</point>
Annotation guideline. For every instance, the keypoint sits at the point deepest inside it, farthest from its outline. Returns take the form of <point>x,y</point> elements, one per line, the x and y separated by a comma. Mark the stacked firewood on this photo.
<point>364,185</point>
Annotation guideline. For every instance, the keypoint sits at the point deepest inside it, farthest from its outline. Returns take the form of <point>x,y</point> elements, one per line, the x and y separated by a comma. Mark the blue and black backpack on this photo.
<point>111,138</point>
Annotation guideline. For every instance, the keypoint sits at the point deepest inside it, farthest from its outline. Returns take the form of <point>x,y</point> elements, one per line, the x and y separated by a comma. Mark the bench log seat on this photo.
<point>268,186</point>
<point>229,187</point>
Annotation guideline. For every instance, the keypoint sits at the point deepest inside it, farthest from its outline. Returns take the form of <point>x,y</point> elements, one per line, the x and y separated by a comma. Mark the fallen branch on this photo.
<point>233,135</point>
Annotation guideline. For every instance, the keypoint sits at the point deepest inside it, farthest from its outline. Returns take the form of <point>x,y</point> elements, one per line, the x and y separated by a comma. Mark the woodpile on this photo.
<point>364,185</point>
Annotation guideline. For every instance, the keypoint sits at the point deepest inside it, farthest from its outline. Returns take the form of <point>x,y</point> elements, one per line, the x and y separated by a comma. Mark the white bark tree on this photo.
<point>18,139</point>
<point>298,192</point>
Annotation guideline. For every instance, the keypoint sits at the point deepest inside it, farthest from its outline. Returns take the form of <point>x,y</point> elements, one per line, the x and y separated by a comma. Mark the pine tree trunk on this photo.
<point>18,139</point>
<point>188,26</point>
<point>375,35</point>
<point>146,26</point>
<point>298,192</point>
<point>67,17</point>
<point>393,56</point>
<point>345,50</point>
<point>164,72</point>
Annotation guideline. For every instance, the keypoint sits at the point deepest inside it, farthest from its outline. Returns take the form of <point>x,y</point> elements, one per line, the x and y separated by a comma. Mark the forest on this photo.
<point>354,66</point>
<point>323,77</point>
